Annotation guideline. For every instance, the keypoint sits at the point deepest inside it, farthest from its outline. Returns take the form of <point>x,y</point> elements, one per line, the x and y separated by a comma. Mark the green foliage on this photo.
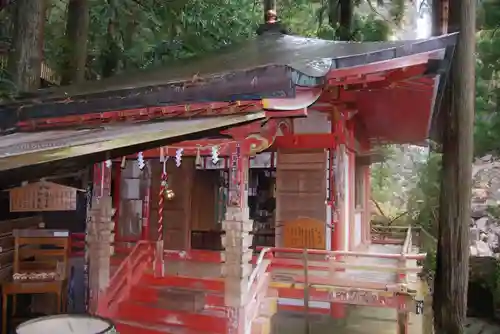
<point>487,126</point>
<point>146,33</point>
<point>371,29</point>
<point>365,29</point>
<point>430,262</point>
<point>140,34</point>
<point>299,15</point>
<point>423,200</point>
<point>381,177</point>
<point>368,24</point>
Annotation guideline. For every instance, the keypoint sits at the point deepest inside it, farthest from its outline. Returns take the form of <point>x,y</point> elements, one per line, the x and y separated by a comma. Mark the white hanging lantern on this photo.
<point>140,161</point>
<point>178,157</point>
<point>108,163</point>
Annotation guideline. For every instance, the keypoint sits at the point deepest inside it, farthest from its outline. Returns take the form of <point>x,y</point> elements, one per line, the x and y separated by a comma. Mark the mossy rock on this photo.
<point>484,287</point>
<point>483,270</point>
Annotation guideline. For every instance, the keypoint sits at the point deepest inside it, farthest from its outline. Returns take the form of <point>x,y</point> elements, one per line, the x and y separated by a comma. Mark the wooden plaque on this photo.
<point>304,233</point>
<point>42,196</point>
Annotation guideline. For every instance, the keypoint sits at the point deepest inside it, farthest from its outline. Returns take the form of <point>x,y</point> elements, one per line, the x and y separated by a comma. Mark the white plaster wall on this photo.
<point>315,122</point>
<point>358,236</point>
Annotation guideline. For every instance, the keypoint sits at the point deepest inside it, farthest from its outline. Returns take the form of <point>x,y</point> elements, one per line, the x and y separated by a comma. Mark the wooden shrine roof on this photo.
<point>31,155</point>
<point>272,65</point>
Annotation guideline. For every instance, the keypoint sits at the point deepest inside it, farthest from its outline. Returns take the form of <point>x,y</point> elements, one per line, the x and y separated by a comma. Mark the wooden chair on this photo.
<point>40,267</point>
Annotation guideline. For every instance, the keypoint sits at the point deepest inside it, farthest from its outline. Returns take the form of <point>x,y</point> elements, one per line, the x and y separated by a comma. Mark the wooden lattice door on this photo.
<point>300,192</point>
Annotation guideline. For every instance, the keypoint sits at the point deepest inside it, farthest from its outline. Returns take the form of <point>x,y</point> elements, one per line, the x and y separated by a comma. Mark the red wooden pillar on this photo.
<point>367,207</point>
<point>337,311</point>
<point>237,241</point>
<point>333,204</point>
<point>339,230</point>
<point>367,195</point>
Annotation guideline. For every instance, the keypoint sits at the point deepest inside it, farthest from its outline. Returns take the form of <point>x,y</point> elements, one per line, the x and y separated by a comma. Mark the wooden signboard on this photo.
<point>374,299</point>
<point>304,233</point>
<point>42,196</point>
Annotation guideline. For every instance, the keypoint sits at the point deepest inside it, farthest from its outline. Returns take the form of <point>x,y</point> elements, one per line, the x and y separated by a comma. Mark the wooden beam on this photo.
<point>386,65</point>
<point>144,114</point>
<point>305,141</point>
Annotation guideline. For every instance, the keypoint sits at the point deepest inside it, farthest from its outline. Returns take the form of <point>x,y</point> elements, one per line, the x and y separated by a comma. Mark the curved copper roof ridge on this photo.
<point>255,83</point>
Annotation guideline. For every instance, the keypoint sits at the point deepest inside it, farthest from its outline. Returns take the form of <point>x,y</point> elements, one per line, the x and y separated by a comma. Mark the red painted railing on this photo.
<point>125,277</point>
<point>146,255</point>
<point>77,245</point>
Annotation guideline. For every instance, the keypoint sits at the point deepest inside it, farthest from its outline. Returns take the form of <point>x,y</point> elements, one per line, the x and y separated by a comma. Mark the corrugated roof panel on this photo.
<point>24,149</point>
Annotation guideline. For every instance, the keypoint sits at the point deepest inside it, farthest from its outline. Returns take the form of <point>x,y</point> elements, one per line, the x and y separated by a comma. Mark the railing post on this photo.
<point>158,262</point>
<point>404,315</point>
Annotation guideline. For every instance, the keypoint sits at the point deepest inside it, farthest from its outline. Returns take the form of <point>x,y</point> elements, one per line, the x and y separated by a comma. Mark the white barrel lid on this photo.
<point>65,324</point>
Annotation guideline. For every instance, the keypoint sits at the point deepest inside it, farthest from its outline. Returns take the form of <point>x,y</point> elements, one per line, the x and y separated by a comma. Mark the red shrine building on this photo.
<point>239,182</point>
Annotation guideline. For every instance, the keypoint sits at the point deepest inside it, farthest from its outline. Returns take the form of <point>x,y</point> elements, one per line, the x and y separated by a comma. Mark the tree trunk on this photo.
<point>344,32</point>
<point>77,28</point>
<point>25,57</point>
<point>111,56</point>
<point>340,16</point>
<point>269,5</point>
<point>451,281</point>
<point>439,17</point>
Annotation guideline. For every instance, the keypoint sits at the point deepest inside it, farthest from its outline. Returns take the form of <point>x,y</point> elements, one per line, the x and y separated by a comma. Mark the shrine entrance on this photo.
<point>301,212</point>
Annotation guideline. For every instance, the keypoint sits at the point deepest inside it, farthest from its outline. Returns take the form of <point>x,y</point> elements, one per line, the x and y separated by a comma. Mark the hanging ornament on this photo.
<point>197,161</point>
<point>215,155</point>
<point>178,157</point>
<point>123,163</point>
<point>108,163</point>
<point>169,194</point>
<point>140,160</point>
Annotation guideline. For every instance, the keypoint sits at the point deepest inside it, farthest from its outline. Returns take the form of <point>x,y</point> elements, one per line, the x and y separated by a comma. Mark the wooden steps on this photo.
<point>155,295</point>
<point>183,305</point>
<point>131,327</point>
<point>213,322</point>
<point>203,284</point>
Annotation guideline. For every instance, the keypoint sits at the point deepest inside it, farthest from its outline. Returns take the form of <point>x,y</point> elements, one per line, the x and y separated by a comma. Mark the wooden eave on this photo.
<point>39,154</point>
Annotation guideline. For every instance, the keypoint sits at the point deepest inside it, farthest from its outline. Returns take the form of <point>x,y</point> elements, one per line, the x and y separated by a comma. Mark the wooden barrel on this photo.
<point>66,324</point>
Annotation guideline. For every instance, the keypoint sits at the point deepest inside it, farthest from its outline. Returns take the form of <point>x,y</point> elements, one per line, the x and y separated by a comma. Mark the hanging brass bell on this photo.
<point>169,194</point>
